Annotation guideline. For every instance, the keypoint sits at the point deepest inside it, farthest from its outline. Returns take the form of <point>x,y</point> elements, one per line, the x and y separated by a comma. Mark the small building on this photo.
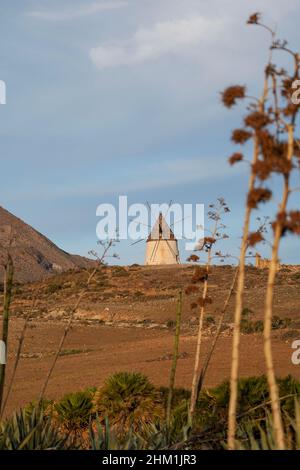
<point>262,263</point>
<point>161,245</point>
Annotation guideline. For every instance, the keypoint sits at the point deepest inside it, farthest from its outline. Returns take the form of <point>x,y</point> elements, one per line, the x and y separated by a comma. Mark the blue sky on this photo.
<point>110,97</point>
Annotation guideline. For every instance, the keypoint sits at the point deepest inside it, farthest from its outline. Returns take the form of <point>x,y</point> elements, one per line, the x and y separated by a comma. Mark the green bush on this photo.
<point>259,434</point>
<point>44,407</point>
<point>128,400</point>
<point>253,399</point>
<point>209,321</point>
<point>246,312</point>
<point>278,322</point>
<point>74,410</point>
<point>171,324</point>
<point>138,294</point>
<point>248,326</point>
<point>52,288</point>
<point>179,395</point>
<point>132,417</point>
<point>119,271</point>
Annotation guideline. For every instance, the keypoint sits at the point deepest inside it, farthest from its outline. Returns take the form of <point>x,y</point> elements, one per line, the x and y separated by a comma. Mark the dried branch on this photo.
<point>8,287</point>
<point>71,318</point>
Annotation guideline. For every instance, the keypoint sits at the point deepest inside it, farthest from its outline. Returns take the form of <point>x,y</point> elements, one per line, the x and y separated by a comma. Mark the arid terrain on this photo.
<point>126,322</point>
<point>35,256</point>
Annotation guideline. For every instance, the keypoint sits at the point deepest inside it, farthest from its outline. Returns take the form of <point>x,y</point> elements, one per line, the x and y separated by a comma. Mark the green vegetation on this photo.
<point>278,322</point>
<point>119,271</point>
<point>296,276</point>
<point>129,400</point>
<point>69,352</point>
<point>53,288</point>
<point>73,412</point>
<point>171,324</point>
<point>31,430</point>
<point>250,326</point>
<point>128,412</point>
<point>209,321</point>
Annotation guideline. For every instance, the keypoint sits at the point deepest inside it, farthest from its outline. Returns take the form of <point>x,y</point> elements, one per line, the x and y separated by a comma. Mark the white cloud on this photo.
<point>149,44</point>
<point>86,10</point>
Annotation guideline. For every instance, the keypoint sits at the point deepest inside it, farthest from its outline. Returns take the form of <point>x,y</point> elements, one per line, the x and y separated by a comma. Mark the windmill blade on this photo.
<point>157,216</point>
<point>138,241</point>
<point>140,223</point>
<point>170,203</point>
<point>170,248</point>
<point>180,220</point>
<point>173,252</point>
<point>154,251</point>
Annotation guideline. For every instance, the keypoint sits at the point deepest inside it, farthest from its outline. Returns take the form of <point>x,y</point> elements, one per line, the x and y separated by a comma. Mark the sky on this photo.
<point>122,97</point>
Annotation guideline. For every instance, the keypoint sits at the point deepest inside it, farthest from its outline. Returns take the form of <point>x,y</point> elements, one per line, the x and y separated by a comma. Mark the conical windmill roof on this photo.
<point>161,230</point>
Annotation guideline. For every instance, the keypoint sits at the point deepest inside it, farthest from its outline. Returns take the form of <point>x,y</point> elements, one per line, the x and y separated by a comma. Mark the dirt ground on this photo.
<point>126,322</point>
<point>94,352</point>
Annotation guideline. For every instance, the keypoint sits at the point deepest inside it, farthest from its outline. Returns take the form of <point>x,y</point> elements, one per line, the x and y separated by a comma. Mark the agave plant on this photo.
<point>163,435</point>
<point>256,434</point>
<point>129,401</point>
<point>102,437</point>
<point>30,431</point>
<point>74,410</point>
<point>259,434</point>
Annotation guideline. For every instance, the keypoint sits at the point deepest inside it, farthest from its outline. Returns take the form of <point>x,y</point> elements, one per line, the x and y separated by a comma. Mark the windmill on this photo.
<point>161,244</point>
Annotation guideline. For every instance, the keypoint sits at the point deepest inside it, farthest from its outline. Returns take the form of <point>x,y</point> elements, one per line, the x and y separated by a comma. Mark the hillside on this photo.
<point>146,295</point>
<point>126,323</point>
<point>34,255</point>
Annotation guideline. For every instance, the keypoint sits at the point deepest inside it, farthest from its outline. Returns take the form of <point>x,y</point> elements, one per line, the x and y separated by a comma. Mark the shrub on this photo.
<point>289,387</point>
<point>246,312</point>
<point>138,294</point>
<point>278,322</point>
<point>52,288</point>
<point>69,352</point>
<point>259,435</point>
<point>74,410</point>
<point>171,324</point>
<point>119,271</point>
<point>248,326</point>
<point>179,395</point>
<point>102,437</point>
<point>128,400</point>
<point>30,430</point>
<point>290,335</point>
<point>296,276</point>
<point>253,399</point>
<point>103,283</point>
<point>18,290</point>
<point>44,407</point>
<point>209,321</point>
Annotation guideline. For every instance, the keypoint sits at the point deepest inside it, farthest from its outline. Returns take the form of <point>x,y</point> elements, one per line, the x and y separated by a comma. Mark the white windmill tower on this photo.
<point>161,244</point>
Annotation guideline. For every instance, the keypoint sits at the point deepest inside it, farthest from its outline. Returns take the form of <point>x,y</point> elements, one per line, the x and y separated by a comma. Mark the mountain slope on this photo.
<point>34,255</point>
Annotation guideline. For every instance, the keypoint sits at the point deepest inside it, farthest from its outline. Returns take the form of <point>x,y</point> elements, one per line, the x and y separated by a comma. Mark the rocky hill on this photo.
<point>34,255</point>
